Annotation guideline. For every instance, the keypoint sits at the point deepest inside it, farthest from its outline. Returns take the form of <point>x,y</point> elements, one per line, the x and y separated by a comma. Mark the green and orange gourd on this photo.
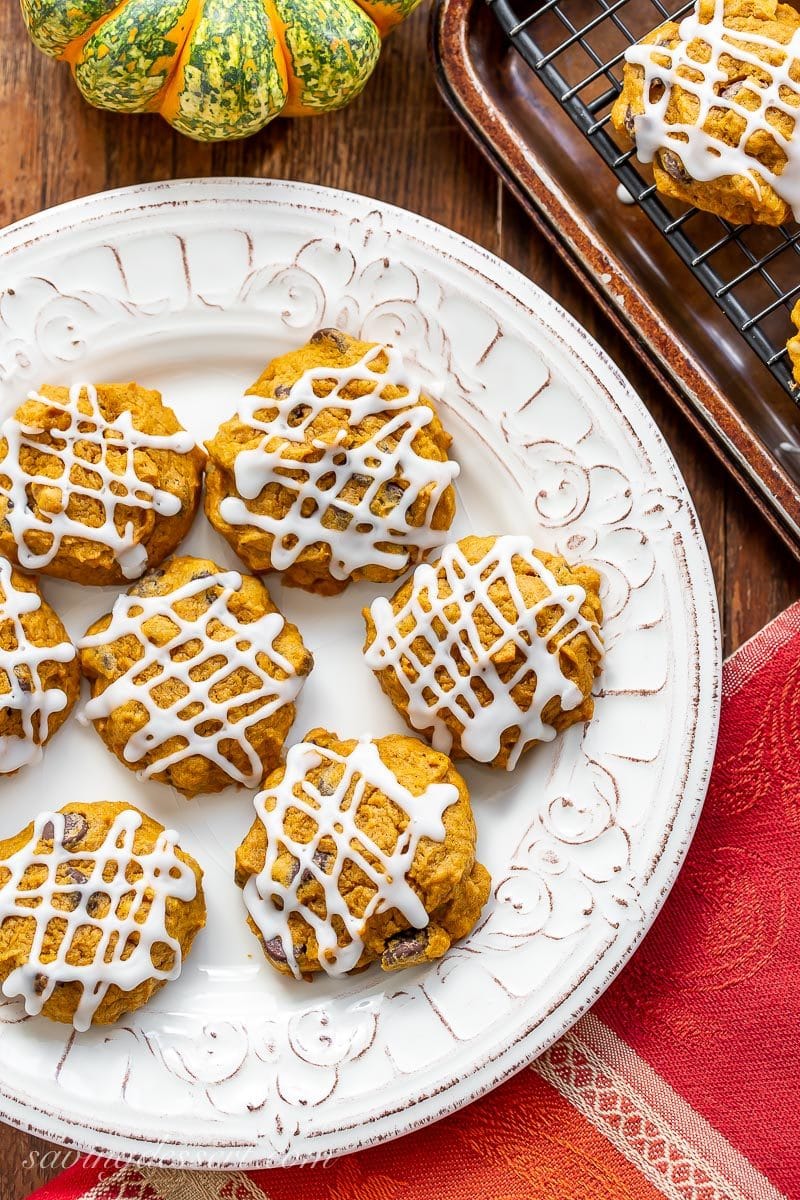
<point>216,69</point>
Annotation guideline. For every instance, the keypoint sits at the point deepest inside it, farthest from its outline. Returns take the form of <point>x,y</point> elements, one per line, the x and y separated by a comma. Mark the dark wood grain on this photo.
<point>397,143</point>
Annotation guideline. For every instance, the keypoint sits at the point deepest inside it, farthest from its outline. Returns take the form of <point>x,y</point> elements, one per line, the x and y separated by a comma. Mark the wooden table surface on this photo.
<point>398,143</point>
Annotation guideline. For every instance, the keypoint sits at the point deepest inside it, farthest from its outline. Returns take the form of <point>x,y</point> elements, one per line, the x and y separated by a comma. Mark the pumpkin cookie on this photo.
<point>334,469</point>
<point>194,676</point>
<point>96,484</point>
<point>361,851</point>
<point>39,674</point>
<point>793,344</point>
<point>490,650</point>
<point>712,104</point>
<point>98,909</point>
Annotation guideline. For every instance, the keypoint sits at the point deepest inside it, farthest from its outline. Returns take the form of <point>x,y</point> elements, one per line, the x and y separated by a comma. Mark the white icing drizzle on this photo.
<point>21,664</point>
<point>384,458</point>
<point>446,685</point>
<point>214,645</point>
<point>157,877</point>
<point>704,156</point>
<point>86,435</point>
<point>335,818</point>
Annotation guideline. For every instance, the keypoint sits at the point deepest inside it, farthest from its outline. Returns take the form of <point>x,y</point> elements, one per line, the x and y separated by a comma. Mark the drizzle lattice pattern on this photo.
<point>331,804</point>
<point>95,888</point>
<point>385,470</point>
<point>694,66</point>
<point>94,462</point>
<point>202,653</point>
<point>21,665</point>
<point>480,653</point>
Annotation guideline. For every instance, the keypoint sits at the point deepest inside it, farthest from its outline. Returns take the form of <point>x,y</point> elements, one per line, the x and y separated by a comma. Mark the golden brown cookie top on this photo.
<point>335,465</point>
<point>189,662</point>
<point>93,898</point>
<point>353,843</point>
<point>88,475</point>
<point>480,642</point>
<point>793,344</point>
<point>39,678</point>
<point>713,102</point>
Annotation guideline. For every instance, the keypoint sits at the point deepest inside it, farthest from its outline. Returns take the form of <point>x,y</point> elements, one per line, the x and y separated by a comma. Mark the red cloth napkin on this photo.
<point>683,1081</point>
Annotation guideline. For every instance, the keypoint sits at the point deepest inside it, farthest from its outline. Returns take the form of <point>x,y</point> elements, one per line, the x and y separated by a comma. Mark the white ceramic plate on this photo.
<point>191,288</point>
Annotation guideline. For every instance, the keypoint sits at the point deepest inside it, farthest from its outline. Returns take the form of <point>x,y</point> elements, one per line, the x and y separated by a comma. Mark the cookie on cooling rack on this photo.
<point>39,673</point>
<point>361,851</point>
<point>334,469</point>
<point>98,909</point>
<point>194,677</point>
<point>96,483</point>
<point>697,103</point>
<point>491,649</point>
<point>793,344</point>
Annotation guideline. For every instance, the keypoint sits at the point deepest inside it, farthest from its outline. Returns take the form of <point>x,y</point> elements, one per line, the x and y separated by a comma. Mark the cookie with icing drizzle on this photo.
<point>334,469</point>
<point>98,909</point>
<point>712,102</point>
<point>194,677</point>
<point>793,344</point>
<point>96,483</point>
<point>39,673</point>
<point>490,650</point>
<point>361,851</point>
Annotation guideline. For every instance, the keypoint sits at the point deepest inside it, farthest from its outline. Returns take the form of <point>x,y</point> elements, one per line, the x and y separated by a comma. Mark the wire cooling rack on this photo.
<point>577,47</point>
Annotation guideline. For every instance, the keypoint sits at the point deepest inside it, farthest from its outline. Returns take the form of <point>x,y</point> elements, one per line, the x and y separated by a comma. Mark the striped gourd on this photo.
<point>216,69</point>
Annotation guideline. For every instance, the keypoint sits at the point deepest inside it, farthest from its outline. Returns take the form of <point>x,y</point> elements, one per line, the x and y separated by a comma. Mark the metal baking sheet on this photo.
<point>670,321</point>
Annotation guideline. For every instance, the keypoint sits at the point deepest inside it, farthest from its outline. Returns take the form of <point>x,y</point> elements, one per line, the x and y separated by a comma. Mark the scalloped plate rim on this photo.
<point>509,1058</point>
